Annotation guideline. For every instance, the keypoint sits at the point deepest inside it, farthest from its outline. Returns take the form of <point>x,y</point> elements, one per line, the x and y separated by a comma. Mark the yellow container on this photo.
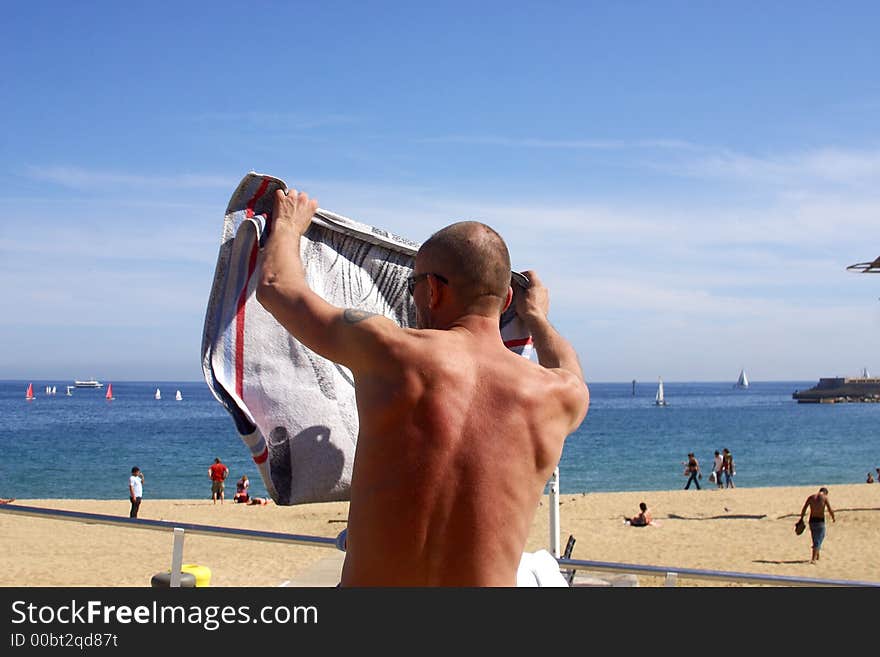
<point>201,573</point>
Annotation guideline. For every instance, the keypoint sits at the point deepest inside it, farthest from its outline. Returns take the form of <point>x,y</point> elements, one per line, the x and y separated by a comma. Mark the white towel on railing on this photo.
<point>539,569</point>
<point>295,410</point>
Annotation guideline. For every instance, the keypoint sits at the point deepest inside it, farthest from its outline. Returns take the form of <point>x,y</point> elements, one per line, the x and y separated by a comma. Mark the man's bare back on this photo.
<point>817,503</point>
<point>458,436</point>
<point>451,461</point>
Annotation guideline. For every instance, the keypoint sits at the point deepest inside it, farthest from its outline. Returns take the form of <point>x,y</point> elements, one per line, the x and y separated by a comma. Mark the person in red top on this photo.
<point>218,473</point>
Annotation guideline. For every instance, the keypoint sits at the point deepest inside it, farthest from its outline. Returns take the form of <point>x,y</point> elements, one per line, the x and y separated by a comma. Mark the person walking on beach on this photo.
<point>458,435</point>
<point>718,469</point>
<point>135,491</point>
<point>728,468</point>
<point>218,473</point>
<point>692,471</point>
<point>817,503</point>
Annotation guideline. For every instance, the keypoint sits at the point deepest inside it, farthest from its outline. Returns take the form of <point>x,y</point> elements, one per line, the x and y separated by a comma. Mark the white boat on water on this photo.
<point>158,394</point>
<point>742,381</point>
<point>91,383</point>
<point>178,396</point>
<point>660,398</point>
<point>69,388</point>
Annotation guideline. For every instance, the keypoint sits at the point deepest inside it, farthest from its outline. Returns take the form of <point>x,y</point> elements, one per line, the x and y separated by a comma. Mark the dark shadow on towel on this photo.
<point>781,563</point>
<point>303,459</point>
<point>740,516</point>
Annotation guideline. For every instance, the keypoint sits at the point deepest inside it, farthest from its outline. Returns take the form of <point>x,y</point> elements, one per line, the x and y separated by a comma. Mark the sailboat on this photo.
<point>178,396</point>
<point>54,390</point>
<point>69,388</point>
<point>660,399</point>
<point>158,394</point>
<point>109,396</point>
<point>29,395</point>
<point>742,381</point>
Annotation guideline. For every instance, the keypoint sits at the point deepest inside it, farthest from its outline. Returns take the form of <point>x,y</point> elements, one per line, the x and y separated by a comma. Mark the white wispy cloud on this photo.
<point>561,144</point>
<point>82,178</point>
<point>834,166</point>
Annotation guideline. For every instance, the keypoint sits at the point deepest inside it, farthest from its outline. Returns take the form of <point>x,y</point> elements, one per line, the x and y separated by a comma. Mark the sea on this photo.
<point>84,446</point>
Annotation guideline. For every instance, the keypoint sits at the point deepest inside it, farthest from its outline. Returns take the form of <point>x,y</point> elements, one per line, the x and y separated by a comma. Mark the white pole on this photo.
<point>176,558</point>
<point>554,513</point>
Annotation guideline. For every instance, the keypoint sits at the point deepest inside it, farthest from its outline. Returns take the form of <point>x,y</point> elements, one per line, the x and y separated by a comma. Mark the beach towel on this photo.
<point>294,410</point>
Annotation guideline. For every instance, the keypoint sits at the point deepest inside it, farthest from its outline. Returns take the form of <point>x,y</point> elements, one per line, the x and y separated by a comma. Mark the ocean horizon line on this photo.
<point>589,381</point>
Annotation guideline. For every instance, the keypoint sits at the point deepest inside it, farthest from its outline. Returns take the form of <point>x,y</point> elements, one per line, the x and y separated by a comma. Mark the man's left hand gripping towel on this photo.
<point>295,410</point>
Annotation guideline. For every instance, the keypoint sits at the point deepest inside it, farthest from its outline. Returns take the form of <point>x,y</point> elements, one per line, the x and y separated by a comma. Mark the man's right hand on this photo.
<point>533,302</point>
<point>294,209</point>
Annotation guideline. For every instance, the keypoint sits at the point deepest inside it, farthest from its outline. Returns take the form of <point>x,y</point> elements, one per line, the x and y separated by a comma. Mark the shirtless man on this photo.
<point>458,435</point>
<point>817,503</point>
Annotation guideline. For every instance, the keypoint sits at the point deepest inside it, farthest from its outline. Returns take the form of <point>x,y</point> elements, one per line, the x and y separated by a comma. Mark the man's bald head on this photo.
<point>472,256</point>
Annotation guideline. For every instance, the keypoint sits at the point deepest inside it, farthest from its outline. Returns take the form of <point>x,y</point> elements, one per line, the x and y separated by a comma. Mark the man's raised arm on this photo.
<point>554,351</point>
<point>285,293</point>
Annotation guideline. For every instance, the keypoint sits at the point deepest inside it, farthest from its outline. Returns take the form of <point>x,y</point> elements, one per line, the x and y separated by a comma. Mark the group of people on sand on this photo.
<point>243,496</point>
<point>723,470</point>
<point>870,479</point>
<point>817,504</point>
<point>219,472</point>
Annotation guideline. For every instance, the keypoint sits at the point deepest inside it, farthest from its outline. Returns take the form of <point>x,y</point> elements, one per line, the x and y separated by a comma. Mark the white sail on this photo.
<point>158,394</point>
<point>178,396</point>
<point>660,398</point>
<point>54,390</point>
<point>743,380</point>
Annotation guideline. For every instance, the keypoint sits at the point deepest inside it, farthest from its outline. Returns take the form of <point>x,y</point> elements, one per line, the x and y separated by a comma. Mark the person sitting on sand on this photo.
<point>258,501</point>
<point>643,519</point>
<point>870,479</point>
<point>241,490</point>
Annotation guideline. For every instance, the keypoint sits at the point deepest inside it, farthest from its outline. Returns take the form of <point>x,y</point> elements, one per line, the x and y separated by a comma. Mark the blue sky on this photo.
<point>690,181</point>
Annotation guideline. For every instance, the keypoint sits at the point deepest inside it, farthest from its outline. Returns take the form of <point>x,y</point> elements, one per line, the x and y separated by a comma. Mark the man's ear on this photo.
<point>434,291</point>
<point>509,299</point>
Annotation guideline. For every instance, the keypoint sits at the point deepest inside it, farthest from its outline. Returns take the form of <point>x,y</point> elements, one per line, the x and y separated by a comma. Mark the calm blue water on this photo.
<point>84,447</point>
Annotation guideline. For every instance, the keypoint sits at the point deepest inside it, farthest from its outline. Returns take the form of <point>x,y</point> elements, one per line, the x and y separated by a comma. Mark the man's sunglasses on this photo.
<point>515,277</point>
<point>414,279</point>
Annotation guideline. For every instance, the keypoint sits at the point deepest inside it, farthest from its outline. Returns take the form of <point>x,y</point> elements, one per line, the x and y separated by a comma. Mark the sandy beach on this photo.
<point>743,530</point>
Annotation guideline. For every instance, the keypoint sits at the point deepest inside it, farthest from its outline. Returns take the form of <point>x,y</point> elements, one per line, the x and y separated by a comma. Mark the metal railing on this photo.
<point>669,573</point>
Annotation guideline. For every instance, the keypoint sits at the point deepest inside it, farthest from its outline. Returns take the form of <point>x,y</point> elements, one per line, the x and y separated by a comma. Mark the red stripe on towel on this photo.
<point>239,325</point>
<point>249,209</point>
<point>262,457</point>
<point>242,299</point>
<point>519,342</point>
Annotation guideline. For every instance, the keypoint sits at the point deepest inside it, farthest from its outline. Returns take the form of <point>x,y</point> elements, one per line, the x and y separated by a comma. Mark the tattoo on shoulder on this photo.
<point>353,316</point>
